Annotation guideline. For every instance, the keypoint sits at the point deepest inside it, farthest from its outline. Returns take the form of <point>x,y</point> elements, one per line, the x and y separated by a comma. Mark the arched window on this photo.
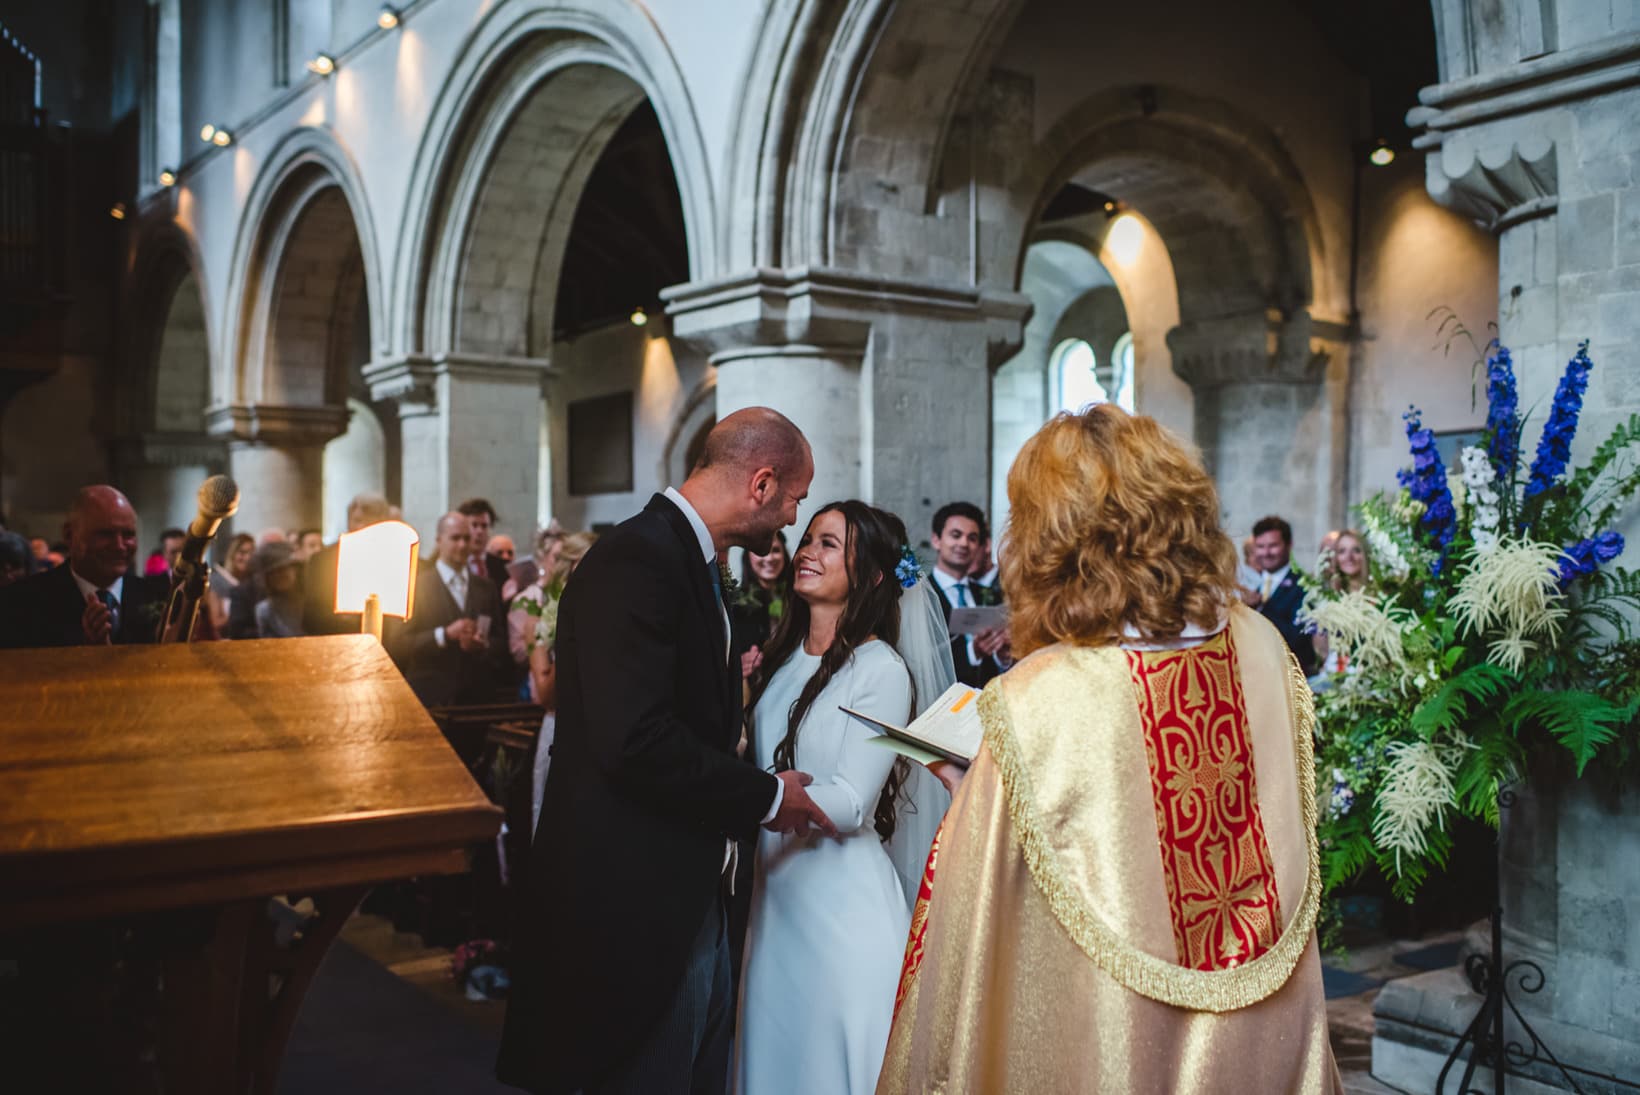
<point>1075,377</point>
<point>1121,358</point>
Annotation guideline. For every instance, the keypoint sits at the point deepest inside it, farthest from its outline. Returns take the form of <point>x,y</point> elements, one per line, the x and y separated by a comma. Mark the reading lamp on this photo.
<point>376,574</point>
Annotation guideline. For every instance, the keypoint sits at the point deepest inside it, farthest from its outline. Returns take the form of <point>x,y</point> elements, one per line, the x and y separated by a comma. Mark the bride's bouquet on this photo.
<point>1493,627</point>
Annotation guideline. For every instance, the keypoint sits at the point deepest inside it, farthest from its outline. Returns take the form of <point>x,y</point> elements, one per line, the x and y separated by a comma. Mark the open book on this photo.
<point>948,730</point>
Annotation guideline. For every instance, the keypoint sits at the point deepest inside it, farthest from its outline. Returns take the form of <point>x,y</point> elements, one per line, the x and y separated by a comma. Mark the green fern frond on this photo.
<point>1448,706</point>
<point>1580,721</point>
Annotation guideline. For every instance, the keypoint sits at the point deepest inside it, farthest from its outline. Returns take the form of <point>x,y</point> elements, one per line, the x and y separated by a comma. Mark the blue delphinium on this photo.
<point>1502,414</point>
<point>1426,480</point>
<point>1585,556</point>
<point>1555,446</point>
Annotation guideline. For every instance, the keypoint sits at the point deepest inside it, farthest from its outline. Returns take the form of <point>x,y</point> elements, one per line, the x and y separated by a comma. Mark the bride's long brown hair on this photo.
<point>872,549</point>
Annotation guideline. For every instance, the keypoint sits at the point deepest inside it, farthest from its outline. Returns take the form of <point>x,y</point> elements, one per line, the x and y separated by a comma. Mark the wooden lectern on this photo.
<point>204,779</point>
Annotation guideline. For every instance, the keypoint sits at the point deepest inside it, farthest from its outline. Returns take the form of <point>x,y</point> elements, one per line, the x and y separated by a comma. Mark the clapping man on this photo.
<point>453,650</point>
<point>1280,594</point>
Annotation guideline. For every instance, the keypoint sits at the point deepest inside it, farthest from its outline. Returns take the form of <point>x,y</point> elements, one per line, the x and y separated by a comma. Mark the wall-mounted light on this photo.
<point>1110,207</point>
<point>1125,239</point>
<point>167,177</point>
<point>1382,155</point>
<point>118,211</point>
<point>222,138</point>
<point>323,64</point>
<point>206,132</point>
<point>639,317</point>
<point>388,18</point>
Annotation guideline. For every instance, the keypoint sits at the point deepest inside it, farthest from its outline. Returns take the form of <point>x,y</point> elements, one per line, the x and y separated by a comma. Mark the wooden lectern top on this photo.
<point>135,778</point>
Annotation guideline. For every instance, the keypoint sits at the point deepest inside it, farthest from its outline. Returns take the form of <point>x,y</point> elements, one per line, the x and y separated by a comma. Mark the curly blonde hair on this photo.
<point>1113,521</point>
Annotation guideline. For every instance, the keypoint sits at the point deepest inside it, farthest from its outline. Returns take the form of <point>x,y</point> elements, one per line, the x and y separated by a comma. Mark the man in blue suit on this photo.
<point>1280,594</point>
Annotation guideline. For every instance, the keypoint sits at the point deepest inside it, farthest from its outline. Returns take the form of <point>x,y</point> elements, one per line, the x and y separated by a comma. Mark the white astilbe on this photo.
<point>1368,633</point>
<point>1511,595</point>
<point>1415,794</point>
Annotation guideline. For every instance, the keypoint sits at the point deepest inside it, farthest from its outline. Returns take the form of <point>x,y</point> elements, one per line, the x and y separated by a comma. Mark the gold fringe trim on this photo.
<point>1145,974</point>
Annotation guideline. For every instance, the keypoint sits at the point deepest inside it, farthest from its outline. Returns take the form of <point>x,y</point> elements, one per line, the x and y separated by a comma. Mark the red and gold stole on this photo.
<point>919,924</point>
<point>1221,887</point>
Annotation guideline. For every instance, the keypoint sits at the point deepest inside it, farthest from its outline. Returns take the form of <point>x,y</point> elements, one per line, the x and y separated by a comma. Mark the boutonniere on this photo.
<point>731,588</point>
<point>985,596</point>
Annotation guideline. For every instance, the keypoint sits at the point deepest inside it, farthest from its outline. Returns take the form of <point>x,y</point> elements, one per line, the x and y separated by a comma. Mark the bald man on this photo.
<point>453,650</point>
<point>98,598</point>
<point>622,978</point>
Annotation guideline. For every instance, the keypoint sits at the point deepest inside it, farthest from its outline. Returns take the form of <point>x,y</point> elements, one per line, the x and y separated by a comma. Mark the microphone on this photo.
<point>218,500</point>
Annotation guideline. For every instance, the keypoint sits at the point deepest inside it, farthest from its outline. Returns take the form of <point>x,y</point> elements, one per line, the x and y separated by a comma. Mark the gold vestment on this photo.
<point>1122,897</point>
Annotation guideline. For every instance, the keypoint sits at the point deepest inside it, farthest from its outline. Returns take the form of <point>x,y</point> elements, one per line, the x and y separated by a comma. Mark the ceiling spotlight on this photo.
<point>389,17</point>
<point>1382,155</point>
<point>167,177</point>
<point>118,212</point>
<point>322,65</point>
<point>222,138</point>
<point>207,131</point>
<point>639,317</point>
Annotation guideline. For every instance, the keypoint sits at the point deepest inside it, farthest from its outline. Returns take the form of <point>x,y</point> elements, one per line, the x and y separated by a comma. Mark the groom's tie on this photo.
<point>717,599</point>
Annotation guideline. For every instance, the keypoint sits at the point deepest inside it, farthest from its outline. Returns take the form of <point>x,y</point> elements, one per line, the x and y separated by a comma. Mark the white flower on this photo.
<point>1513,592</point>
<point>1477,469</point>
<point>1486,516</point>
<point>1367,632</point>
<point>1415,794</point>
<point>1486,541</point>
<point>1386,552</point>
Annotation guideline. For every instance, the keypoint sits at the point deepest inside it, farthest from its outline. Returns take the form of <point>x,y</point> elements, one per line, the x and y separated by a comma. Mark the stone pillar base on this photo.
<point>1419,1019</point>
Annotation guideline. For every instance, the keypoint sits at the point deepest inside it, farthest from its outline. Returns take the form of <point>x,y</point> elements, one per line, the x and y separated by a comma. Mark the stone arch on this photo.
<point>310,197</point>
<point>699,413</point>
<point>1215,183</point>
<point>835,136</point>
<point>528,110</point>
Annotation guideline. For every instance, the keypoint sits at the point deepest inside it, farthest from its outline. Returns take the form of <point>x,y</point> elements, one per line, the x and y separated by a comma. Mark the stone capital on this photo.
<point>1495,183</point>
<point>1266,346</point>
<point>830,312</point>
<point>413,379</point>
<point>171,449</point>
<point>282,426</point>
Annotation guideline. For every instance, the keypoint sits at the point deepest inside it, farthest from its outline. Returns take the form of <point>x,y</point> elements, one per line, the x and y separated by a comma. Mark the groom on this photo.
<point>622,977</point>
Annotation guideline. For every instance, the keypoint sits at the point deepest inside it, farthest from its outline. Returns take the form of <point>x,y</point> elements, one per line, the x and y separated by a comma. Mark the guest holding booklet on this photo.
<point>1123,893</point>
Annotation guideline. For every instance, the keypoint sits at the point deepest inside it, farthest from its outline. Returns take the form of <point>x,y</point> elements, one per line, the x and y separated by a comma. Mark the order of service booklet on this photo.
<point>948,730</point>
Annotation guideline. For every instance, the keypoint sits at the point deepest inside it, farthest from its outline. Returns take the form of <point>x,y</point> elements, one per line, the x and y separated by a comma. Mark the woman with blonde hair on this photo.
<point>1122,896</point>
<point>1344,569</point>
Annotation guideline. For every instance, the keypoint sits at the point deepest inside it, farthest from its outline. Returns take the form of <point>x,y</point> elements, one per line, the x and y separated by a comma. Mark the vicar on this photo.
<point>622,978</point>
<point>96,598</point>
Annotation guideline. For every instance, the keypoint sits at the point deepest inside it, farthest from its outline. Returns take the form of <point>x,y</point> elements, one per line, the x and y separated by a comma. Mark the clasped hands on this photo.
<point>990,641</point>
<point>798,812</point>
<point>97,622</point>
<point>465,632</point>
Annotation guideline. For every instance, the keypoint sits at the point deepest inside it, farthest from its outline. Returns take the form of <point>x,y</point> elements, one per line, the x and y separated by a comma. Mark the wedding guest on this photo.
<point>14,558</point>
<point>543,658</point>
<point>481,518</point>
<point>523,574</point>
<point>97,598</point>
<point>234,567</point>
<point>502,547</point>
<point>533,613</point>
<point>451,649</point>
<point>1344,570</point>
<point>246,592</point>
<point>765,587</point>
<point>309,542</point>
<point>164,557</point>
<point>1116,898</point>
<point>959,530</point>
<point>1280,593</point>
<point>279,612</point>
<point>984,570</point>
<point>1247,575</point>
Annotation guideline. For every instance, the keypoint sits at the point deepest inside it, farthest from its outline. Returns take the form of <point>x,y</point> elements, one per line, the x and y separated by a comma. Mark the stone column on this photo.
<point>276,455</point>
<point>889,379</point>
<point>161,474</point>
<point>1542,150</point>
<point>1269,390</point>
<point>470,426</point>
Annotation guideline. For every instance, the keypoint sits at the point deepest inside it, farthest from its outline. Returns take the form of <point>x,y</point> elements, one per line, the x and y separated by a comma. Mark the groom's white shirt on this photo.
<point>708,552</point>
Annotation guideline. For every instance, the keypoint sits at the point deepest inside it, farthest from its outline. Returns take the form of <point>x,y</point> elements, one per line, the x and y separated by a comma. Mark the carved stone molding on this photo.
<point>412,379</point>
<point>1498,185</point>
<point>830,312</point>
<point>171,450</point>
<point>1266,346</point>
<point>276,425</point>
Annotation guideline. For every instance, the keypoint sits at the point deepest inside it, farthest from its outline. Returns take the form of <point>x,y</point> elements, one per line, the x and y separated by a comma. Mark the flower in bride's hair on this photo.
<point>906,570</point>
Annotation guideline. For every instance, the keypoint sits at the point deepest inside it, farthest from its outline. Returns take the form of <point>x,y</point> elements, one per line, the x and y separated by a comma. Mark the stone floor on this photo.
<point>1353,982</point>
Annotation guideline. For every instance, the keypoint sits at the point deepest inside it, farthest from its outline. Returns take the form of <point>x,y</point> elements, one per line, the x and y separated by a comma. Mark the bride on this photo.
<point>830,915</point>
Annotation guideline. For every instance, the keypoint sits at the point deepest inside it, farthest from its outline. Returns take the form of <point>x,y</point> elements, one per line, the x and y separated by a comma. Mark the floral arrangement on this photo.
<point>1492,631</point>
<point>543,605</point>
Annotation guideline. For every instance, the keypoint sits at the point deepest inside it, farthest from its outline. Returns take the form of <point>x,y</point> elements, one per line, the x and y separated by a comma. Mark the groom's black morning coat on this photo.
<point>644,787</point>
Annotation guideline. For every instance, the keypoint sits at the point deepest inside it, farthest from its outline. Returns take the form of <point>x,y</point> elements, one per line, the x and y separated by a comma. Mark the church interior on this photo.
<point>531,251</point>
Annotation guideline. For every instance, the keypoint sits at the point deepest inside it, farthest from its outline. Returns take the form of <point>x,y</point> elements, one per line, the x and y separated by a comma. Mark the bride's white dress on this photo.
<point>829,918</point>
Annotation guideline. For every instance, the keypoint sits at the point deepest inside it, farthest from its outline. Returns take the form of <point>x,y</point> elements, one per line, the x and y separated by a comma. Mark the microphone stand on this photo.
<point>188,582</point>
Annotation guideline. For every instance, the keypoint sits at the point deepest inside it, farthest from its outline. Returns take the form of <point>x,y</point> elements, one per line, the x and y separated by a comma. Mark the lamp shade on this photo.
<point>379,559</point>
